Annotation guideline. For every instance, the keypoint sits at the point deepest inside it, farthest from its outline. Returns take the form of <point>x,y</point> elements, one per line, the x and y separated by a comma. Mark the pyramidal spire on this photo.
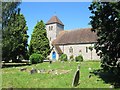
<point>54,19</point>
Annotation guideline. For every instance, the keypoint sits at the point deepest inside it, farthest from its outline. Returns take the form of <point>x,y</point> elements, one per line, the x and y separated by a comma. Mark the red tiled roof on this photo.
<point>75,37</point>
<point>54,19</point>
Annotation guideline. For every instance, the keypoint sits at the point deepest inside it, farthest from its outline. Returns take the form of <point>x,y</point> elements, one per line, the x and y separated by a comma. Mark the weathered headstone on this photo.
<point>41,71</point>
<point>33,71</point>
<point>76,77</point>
<point>23,69</point>
<point>50,61</point>
<point>38,71</point>
<point>53,69</point>
<point>90,76</point>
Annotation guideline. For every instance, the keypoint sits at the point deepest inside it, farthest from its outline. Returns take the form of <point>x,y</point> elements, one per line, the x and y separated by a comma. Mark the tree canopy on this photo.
<point>15,38</point>
<point>39,42</point>
<point>8,8</point>
<point>105,20</point>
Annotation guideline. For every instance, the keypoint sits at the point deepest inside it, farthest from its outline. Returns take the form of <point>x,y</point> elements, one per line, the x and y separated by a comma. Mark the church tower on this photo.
<point>53,27</point>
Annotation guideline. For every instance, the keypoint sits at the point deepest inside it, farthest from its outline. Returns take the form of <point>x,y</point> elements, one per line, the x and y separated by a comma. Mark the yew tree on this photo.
<point>39,42</point>
<point>105,21</point>
<point>8,10</point>
<point>15,38</point>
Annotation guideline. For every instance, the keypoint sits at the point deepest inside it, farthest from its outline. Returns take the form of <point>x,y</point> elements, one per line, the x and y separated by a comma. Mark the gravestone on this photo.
<point>50,61</point>
<point>76,77</point>
<point>41,71</point>
<point>90,76</point>
<point>23,69</point>
<point>33,71</point>
<point>38,71</point>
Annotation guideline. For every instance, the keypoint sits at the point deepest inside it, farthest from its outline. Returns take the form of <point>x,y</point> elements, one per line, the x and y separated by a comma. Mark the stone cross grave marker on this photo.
<point>76,77</point>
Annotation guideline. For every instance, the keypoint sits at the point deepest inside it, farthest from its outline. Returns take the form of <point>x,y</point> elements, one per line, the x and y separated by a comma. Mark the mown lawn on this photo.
<point>14,78</point>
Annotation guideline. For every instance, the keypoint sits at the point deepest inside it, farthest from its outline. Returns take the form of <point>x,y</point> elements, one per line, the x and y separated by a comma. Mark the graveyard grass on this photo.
<point>14,78</point>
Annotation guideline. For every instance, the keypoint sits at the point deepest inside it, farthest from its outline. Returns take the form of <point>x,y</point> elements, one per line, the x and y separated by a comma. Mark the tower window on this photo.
<point>71,50</point>
<point>51,27</point>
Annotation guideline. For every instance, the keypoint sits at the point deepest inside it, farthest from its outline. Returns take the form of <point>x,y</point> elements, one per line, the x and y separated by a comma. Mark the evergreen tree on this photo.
<point>8,9</point>
<point>39,42</point>
<point>15,38</point>
<point>106,22</point>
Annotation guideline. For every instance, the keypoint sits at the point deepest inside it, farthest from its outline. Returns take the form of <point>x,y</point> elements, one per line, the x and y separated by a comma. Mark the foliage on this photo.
<point>71,58</point>
<point>15,38</point>
<point>39,42</point>
<point>105,22</point>
<point>79,58</point>
<point>8,8</point>
<point>63,57</point>
<point>36,58</point>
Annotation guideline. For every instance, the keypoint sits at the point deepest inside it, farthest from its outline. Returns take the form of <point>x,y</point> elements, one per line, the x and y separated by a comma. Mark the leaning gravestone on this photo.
<point>76,77</point>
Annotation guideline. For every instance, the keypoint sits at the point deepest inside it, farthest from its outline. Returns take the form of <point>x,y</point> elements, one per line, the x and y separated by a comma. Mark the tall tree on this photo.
<point>106,22</point>
<point>39,42</point>
<point>8,9</point>
<point>15,38</point>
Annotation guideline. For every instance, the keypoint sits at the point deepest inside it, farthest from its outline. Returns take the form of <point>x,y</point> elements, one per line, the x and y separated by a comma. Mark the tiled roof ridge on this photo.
<point>83,35</point>
<point>77,29</point>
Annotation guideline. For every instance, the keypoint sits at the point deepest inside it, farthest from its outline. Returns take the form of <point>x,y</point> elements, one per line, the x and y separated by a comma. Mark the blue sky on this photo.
<point>73,14</point>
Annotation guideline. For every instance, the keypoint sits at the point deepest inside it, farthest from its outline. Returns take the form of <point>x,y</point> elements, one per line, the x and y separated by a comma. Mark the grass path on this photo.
<point>13,77</point>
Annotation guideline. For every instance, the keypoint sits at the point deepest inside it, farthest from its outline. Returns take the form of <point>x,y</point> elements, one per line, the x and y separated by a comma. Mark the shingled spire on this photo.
<point>54,19</point>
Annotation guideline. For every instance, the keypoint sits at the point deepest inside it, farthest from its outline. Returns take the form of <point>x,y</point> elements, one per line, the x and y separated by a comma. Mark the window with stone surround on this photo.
<point>71,50</point>
<point>50,28</point>
<point>86,49</point>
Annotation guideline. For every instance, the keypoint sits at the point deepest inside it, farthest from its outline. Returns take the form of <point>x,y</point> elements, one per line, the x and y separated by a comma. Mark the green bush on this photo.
<point>63,57</point>
<point>79,58</point>
<point>71,58</point>
<point>36,58</point>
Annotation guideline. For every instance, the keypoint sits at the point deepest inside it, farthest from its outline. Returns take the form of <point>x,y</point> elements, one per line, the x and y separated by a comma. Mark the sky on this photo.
<point>74,15</point>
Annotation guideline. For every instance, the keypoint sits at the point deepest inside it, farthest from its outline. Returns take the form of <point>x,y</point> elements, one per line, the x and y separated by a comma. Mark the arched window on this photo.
<point>51,27</point>
<point>86,49</point>
<point>71,50</point>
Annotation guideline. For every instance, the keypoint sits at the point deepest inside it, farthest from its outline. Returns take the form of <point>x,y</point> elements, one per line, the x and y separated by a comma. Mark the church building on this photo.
<point>70,42</point>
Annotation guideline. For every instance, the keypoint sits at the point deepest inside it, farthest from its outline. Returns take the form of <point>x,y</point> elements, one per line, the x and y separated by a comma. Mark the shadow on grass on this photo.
<point>9,65</point>
<point>108,77</point>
